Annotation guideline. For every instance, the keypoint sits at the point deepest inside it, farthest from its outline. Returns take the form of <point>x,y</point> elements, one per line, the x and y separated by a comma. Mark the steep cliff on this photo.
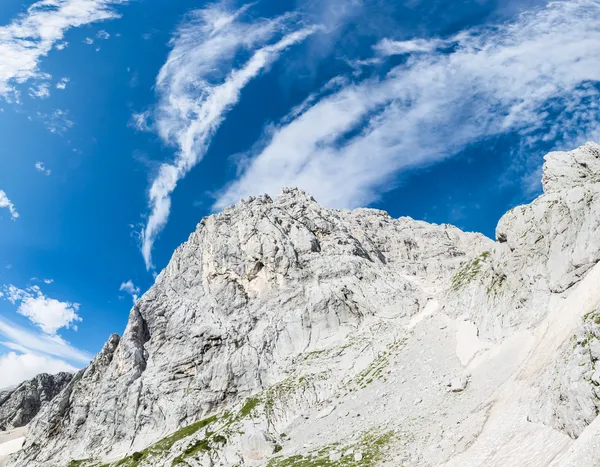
<point>285,333</point>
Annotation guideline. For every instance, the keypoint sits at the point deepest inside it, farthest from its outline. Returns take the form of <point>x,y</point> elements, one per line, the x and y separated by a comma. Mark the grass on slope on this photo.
<point>371,447</point>
<point>211,440</point>
<point>468,273</point>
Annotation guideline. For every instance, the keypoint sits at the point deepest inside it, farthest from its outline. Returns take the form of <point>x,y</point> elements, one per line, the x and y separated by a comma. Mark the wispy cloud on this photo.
<point>130,288</point>
<point>391,47</point>
<point>5,203</point>
<point>40,91</point>
<point>57,122</point>
<point>62,83</point>
<point>41,167</point>
<point>16,368</point>
<point>33,34</point>
<point>21,339</point>
<point>196,90</point>
<point>33,351</point>
<point>535,77</point>
<point>47,313</point>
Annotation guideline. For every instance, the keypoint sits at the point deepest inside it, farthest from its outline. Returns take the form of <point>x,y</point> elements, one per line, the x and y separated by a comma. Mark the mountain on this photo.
<point>283,333</point>
<point>19,404</point>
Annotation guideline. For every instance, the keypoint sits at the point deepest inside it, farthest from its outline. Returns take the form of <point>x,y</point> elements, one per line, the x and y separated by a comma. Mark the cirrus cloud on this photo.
<point>24,340</point>
<point>197,87</point>
<point>536,77</point>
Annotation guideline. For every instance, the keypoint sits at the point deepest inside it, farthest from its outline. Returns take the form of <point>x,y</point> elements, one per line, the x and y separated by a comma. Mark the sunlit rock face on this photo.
<point>283,331</point>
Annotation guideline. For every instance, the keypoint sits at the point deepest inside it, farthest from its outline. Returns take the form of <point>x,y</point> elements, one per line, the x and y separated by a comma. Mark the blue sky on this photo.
<point>123,123</point>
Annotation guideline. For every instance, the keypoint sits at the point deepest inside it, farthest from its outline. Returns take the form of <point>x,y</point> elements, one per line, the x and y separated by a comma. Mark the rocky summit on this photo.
<point>283,333</point>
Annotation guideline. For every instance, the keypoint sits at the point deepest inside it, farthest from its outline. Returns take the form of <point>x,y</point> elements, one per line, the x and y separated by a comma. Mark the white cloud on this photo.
<point>57,122</point>
<point>130,288</point>
<point>48,281</point>
<point>5,203</point>
<point>532,77</point>
<point>22,339</point>
<point>88,41</point>
<point>14,294</point>
<point>196,89</point>
<point>140,121</point>
<point>48,314</point>
<point>40,91</point>
<point>102,35</point>
<point>390,47</point>
<point>16,368</point>
<point>62,83</point>
<point>40,167</point>
<point>37,352</point>
<point>32,35</point>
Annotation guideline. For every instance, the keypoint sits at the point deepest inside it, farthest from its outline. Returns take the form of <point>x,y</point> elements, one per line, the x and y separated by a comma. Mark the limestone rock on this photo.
<point>277,310</point>
<point>564,170</point>
<point>459,383</point>
<point>569,396</point>
<point>20,404</point>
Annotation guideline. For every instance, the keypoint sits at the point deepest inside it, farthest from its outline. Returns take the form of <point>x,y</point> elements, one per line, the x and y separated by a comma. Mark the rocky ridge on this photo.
<point>18,405</point>
<point>284,333</point>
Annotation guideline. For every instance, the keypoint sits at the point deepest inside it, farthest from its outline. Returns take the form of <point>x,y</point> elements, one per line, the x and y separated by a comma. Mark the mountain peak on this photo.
<point>286,331</point>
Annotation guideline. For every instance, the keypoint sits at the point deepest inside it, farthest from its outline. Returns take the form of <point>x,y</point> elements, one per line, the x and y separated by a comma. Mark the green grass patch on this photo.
<point>371,446</point>
<point>249,406</point>
<point>164,445</point>
<point>80,463</point>
<point>376,369</point>
<point>469,272</point>
<point>210,442</point>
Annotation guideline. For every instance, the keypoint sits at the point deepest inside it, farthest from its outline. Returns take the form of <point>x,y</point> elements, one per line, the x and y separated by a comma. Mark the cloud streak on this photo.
<point>34,352</point>
<point>21,339</point>
<point>196,91</point>
<point>33,34</point>
<point>535,77</point>
<point>391,47</point>
<point>6,203</point>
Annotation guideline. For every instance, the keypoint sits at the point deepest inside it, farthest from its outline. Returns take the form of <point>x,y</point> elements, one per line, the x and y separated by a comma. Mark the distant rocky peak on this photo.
<point>20,404</point>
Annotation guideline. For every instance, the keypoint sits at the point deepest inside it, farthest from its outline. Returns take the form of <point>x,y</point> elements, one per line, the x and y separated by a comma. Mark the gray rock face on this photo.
<point>20,404</point>
<point>543,249</point>
<point>564,170</point>
<point>282,328</point>
<point>254,286</point>
<point>570,389</point>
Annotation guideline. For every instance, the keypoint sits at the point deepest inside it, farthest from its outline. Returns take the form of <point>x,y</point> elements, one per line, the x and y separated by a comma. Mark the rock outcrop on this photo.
<point>20,404</point>
<point>285,333</point>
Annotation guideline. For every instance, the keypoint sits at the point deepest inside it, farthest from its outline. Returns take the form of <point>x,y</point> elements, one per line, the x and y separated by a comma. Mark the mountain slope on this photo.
<point>284,333</point>
<point>20,404</point>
